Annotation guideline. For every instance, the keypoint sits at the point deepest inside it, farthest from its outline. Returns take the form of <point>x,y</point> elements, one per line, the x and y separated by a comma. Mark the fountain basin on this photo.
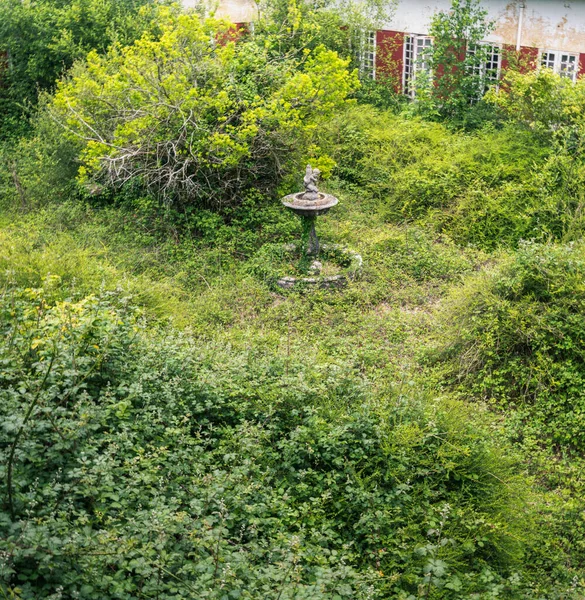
<point>309,208</point>
<point>350,272</point>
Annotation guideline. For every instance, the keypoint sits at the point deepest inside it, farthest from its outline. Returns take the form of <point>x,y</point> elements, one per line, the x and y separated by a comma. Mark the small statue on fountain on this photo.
<point>310,180</point>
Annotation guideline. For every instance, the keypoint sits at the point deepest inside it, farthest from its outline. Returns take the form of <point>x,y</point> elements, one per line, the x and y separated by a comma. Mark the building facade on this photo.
<point>547,33</point>
<point>239,12</point>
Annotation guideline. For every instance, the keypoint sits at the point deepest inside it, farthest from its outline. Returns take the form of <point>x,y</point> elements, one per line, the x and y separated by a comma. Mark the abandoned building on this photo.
<point>549,33</point>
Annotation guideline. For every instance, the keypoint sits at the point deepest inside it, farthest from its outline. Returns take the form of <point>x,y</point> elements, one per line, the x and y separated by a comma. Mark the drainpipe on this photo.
<point>521,7</point>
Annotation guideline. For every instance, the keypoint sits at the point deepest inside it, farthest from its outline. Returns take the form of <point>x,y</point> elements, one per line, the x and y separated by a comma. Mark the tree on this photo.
<point>42,39</point>
<point>290,26</point>
<point>197,118</point>
<point>457,58</point>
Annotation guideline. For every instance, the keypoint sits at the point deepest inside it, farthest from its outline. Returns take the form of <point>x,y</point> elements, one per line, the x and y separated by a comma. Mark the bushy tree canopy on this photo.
<point>197,117</point>
<point>340,25</point>
<point>42,39</point>
<point>456,76</point>
<point>541,100</point>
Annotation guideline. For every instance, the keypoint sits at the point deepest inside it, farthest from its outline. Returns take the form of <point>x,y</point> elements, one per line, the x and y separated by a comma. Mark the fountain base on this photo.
<point>349,269</point>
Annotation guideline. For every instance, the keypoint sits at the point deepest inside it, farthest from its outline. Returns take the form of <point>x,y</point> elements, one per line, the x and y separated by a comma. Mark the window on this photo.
<point>367,55</point>
<point>488,68</point>
<point>563,63</point>
<point>416,49</point>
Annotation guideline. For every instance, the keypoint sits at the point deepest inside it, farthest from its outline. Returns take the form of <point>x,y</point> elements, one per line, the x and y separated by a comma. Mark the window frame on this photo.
<point>557,63</point>
<point>367,54</point>
<point>412,64</point>
<point>487,79</point>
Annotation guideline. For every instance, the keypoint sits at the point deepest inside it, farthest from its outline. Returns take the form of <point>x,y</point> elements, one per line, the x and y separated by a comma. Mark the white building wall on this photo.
<point>237,11</point>
<point>551,24</point>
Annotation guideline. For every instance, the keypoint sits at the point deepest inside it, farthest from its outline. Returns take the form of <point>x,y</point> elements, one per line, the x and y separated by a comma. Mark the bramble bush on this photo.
<point>146,464</point>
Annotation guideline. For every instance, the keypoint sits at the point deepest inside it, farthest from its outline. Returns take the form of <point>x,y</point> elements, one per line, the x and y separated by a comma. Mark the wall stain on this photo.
<point>538,31</point>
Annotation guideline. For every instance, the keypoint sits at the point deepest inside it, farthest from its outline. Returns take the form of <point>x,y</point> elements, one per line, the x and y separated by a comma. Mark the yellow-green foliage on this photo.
<point>198,117</point>
<point>542,100</point>
<point>490,188</point>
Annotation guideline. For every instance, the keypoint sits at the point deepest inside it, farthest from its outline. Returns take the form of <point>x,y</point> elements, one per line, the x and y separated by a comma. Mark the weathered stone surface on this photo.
<point>308,205</point>
<point>310,180</point>
<point>331,282</point>
<point>306,208</point>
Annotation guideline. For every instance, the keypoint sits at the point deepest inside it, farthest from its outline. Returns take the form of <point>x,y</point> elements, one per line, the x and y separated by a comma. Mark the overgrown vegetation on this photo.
<point>489,189</point>
<point>40,40</point>
<point>459,56</point>
<point>519,340</point>
<point>195,470</point>
<point>199,121</point>
<point>173,425</point>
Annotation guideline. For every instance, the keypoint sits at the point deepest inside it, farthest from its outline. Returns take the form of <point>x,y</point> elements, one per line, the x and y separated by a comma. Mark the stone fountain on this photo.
<point>309,205</point>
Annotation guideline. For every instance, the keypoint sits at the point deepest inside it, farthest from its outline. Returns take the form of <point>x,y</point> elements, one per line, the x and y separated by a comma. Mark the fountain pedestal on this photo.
<point>309,205</point>
<point>309,214</point>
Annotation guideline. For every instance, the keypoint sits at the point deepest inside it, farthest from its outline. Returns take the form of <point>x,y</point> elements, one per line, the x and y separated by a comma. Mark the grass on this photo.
<point>210,290</point>
<point>377,329</point>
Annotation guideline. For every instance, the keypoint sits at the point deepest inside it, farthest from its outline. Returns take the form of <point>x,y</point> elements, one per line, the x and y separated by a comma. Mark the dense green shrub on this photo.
<point>513,337</point>
<point>489,189</point>
<point>42,39</point>
<point>541,100</point>
<point>38,169</point>
<point>144,464</point>
<point>381,93</point>
<point>196,118</point>
<point>459,80</point>
<point>516,335</point>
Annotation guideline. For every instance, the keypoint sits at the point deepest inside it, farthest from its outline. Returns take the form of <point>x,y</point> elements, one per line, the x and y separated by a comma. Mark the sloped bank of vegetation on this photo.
<point>512,338</point>
<point>149,464</point>
<point>172,428</point>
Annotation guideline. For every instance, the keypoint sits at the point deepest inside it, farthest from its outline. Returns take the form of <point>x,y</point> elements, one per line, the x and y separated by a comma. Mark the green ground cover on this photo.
<point>174,426</point>
<point>322,367</point>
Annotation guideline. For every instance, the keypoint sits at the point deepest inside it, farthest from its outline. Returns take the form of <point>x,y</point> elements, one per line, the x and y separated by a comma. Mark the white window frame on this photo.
<point>367,54</point>
<point>488,75</point>
<point>557,60</point>
<point>413,61</point>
